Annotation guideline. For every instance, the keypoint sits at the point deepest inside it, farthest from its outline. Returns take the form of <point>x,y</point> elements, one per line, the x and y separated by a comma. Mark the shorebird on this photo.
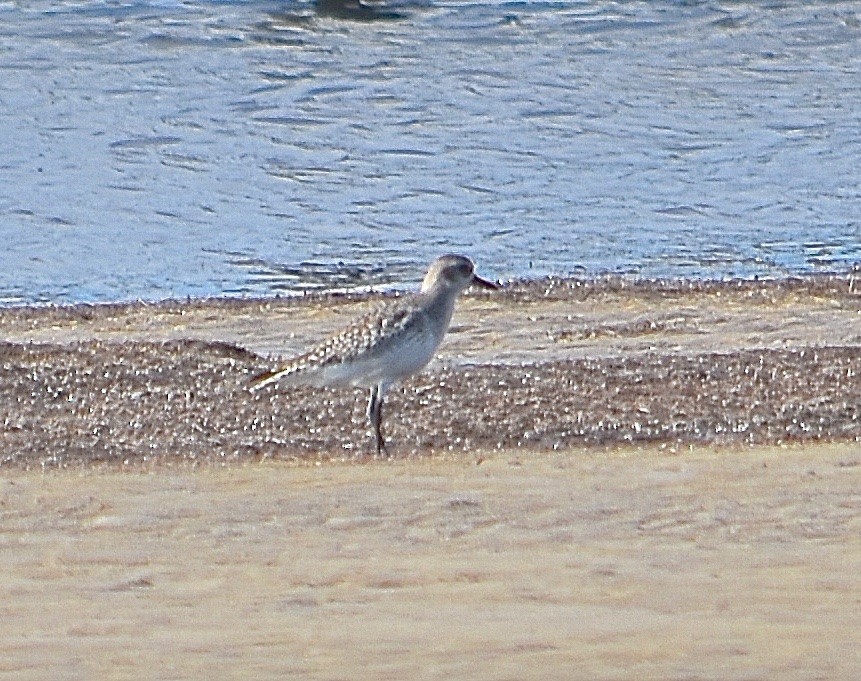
<point>387,344</point>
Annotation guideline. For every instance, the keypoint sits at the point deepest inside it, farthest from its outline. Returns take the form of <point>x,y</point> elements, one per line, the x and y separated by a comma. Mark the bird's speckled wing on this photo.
<point>365,341</point>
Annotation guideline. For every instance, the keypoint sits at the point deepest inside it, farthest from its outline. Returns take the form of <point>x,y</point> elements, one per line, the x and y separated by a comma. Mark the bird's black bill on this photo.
<point>484,283</point>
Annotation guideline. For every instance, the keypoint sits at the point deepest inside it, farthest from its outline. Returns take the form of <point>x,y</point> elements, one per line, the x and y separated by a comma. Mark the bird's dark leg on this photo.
<point>375,416</point>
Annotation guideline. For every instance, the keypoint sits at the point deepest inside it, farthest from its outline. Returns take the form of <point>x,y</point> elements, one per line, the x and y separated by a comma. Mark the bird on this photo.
<point>355,10</point>
<point>387,344</point>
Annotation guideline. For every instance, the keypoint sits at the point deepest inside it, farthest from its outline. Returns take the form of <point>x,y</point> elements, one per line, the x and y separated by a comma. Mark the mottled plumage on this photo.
<point>387,344</point>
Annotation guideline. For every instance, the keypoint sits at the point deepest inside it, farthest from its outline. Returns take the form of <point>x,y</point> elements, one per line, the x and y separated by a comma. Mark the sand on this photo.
<point>539,367</point>
<point>294,554</point>
<point>636,564</point>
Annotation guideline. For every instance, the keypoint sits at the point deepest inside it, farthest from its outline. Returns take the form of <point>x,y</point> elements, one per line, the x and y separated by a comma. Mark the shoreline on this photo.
<point>832,284</point>
<point>534,367</point>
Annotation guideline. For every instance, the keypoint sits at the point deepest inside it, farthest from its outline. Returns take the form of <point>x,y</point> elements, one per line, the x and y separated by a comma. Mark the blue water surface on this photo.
<point>170,149</point>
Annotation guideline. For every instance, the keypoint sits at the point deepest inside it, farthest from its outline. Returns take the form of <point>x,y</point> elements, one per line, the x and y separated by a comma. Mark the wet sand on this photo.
<point>538,367</point>
<point>593,481</point>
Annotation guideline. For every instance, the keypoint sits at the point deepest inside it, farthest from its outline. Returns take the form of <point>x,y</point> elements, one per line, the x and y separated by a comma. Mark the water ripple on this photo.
<point>145,142</point>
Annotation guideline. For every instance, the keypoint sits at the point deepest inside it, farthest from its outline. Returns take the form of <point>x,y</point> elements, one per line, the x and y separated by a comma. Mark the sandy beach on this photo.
<point>597,480</point>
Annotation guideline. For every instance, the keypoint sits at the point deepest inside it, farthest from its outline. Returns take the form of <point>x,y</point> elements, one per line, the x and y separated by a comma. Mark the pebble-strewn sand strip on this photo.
<point>188,400</point>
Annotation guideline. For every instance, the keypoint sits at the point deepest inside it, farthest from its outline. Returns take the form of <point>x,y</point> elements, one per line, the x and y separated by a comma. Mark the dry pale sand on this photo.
<point>631,564</point>
<point>665,559</point>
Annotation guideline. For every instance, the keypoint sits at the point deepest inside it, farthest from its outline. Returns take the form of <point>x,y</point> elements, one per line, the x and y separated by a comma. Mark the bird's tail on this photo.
<point>261,380</point>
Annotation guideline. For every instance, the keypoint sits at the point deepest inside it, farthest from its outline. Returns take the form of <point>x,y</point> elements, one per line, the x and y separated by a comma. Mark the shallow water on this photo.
<point>161,149</point>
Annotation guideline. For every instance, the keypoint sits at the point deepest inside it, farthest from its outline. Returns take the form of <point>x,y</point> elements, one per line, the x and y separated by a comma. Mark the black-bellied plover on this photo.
<point>388,344</point>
